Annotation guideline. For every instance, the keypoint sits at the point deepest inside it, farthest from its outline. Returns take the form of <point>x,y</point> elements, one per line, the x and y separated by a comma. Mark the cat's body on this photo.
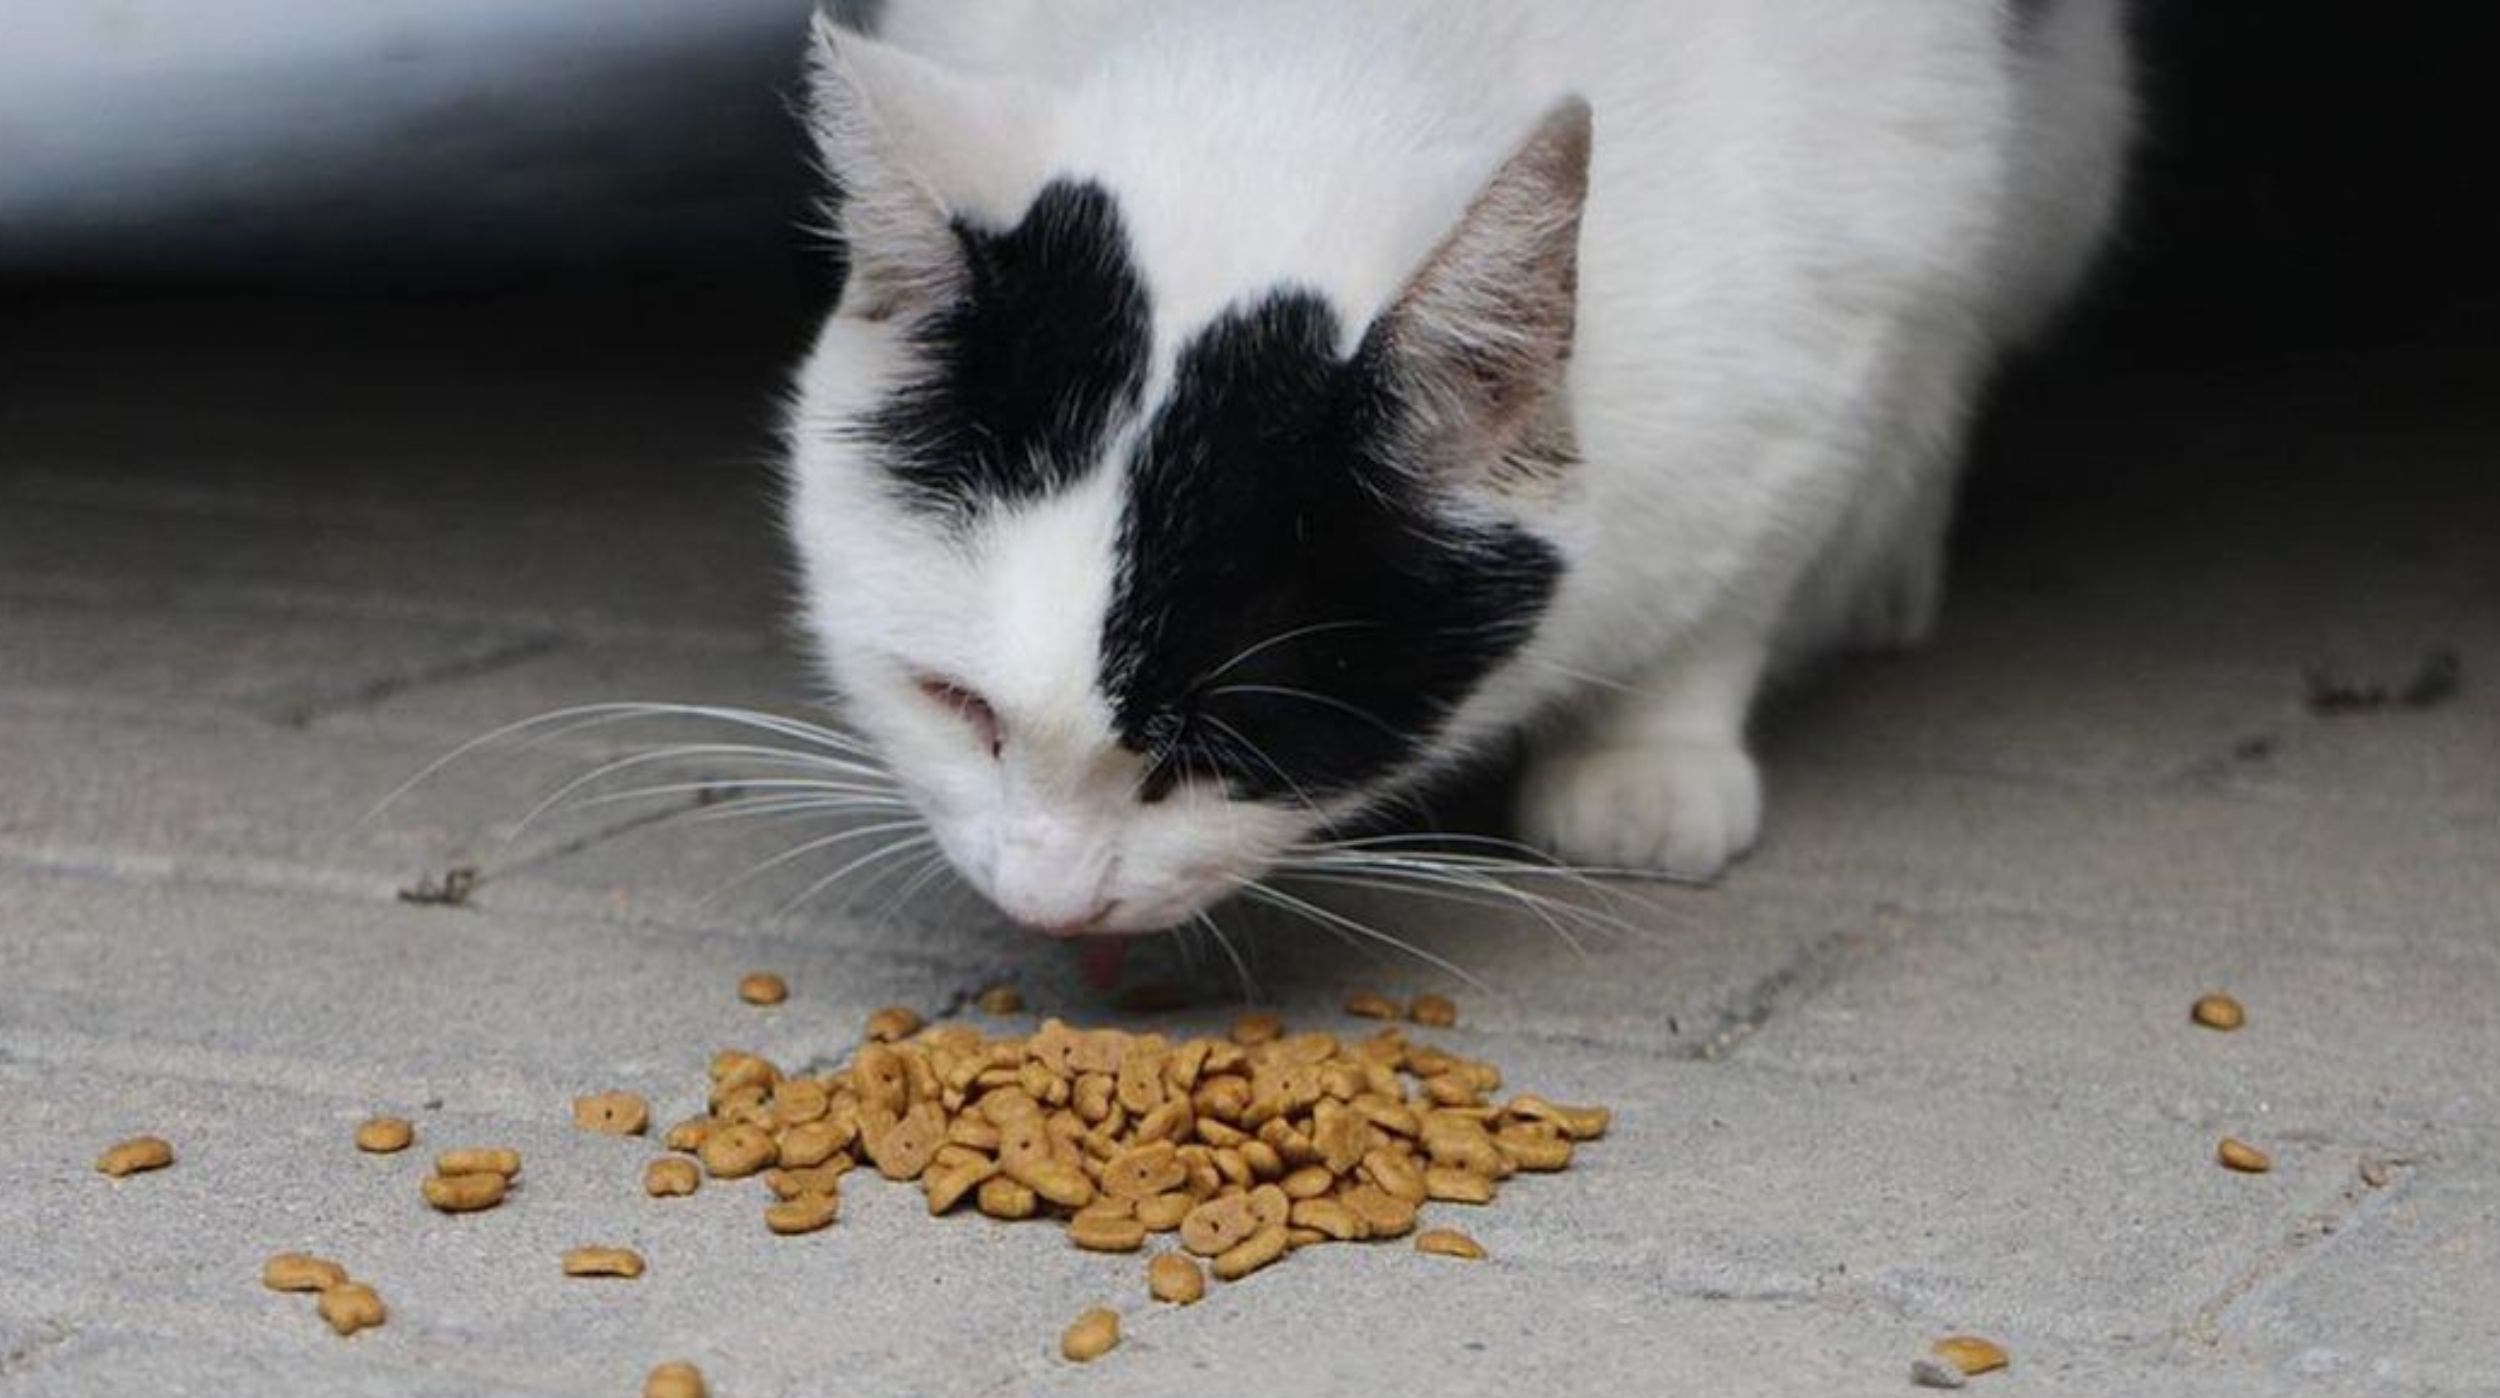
<point>1595,498</point>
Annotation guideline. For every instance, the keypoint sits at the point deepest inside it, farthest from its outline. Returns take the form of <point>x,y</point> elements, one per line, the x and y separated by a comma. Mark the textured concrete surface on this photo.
<point>1921,1066</point>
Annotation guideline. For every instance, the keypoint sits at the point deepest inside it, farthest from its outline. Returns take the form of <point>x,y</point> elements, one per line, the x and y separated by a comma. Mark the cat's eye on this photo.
<point>970,707</point>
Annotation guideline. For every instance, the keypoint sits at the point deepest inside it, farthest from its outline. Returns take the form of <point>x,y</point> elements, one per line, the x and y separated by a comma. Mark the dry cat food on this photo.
<point>2241,1156</point>
<point>763,988</point>
<point>352,1306</point>
<point>136,1155</point>
<point>385,1135</point>
<point>1173,1277</point>
<point>675,1379</point>
<point>1366,1004</point>
<point>465,1181</point>
<point>1970,1354</point>
<point>603,1262</point>
<point>1449,1242</point>
<point>1092,1336</point>
<point>612,1113</point>
<point>2218,1012</point>
<point>1234,1151</point>
<point>1433,1011</point>
<point>479,1160</point>
<point>1000,1001</point>
<point>296,1271</point>
<point>671,1177</point>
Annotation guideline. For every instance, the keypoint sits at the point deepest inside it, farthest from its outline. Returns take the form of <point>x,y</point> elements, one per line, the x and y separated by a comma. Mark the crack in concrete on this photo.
<point>2311,1228</point>
<point>486,660</point>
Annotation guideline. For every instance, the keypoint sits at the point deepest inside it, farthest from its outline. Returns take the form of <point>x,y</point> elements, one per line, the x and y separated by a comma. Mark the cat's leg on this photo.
<point>1658,776</point>
<point>1902,593</point>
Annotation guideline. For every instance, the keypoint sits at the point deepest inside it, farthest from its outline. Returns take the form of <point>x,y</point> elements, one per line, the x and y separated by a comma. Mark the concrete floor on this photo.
<point>1921,1066</point>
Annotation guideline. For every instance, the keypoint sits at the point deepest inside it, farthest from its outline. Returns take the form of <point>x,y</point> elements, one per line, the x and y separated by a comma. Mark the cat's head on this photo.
<point>1132,604</point>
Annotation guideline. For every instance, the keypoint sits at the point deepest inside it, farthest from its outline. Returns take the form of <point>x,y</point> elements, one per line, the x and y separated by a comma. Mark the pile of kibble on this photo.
<point>1247,1146</point>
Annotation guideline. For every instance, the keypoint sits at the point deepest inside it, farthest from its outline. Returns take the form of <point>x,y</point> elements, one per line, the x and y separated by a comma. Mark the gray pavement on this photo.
<point>1921,1066</point>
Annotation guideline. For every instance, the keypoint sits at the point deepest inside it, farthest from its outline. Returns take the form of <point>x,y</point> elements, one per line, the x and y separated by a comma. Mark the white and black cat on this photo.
<point>1241,410</point>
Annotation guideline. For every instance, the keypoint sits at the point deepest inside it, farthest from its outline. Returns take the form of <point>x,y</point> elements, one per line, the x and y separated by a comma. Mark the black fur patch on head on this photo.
<point>1025,375</point>
<point>1295,614</point>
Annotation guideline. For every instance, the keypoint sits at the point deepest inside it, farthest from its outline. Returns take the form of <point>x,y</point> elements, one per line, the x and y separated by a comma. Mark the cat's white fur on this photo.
<point>1812,228</point>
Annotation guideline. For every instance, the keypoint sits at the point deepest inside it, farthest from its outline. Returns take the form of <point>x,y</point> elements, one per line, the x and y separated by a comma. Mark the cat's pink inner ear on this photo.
<point>1479,336</point>
<point>893,225</point>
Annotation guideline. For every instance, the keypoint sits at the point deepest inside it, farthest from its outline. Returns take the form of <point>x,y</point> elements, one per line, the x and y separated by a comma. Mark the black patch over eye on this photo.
<point>1286,586</point>
<point>1021,380</point>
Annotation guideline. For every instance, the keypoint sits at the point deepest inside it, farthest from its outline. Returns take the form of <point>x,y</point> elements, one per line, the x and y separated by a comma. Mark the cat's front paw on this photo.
<point>1681,806</point>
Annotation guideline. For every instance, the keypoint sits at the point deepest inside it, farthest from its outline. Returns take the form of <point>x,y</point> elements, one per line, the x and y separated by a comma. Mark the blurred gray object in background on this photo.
<point>283,136</point>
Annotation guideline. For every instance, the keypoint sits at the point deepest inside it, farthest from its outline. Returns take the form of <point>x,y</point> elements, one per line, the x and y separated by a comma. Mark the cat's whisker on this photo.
<point>1264,893</point>
<point>1241,967</point>
<point>679,752</point>
<point>1262,647</point>
<point>1278,691</point>
<point>556,724</point>
<point>885,851</point>
<point>807,847</point>
<point>1253,749</point>
<point>849,791</point>
<point>1488,878</point>
<point>789,807</point>
<point>1492,896</point>
<point>929,867</point>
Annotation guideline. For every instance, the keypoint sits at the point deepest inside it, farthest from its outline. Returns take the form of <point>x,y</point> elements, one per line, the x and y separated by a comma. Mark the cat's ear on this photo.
<point>1475,345</point>
<point>907,145</point>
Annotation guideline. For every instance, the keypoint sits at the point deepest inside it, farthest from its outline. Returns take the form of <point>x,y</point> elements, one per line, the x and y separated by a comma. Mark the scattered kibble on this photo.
<point>1094,1335</point>
<point>2239,1155</point>
<point>1449,1242</point>
<point>1433,1011</point>
<point>296,1271</point>
<point>135,1156</point>
<point>385,1135</point>
<point>1970,1354</point>
<point>1000,1001</point>
<point>804,1214</point>
<point>1366,1004</point>
<point>670,1177</point>
<point>892,1023</point>
<point>2218,1011</point>
<point>479,1160</point>
<point>603,1262</point>
<point>1173,1277</point>
<point>465,1194</point>
<point>612,1114</point>
<point>675,1379</point>
<point>352,1306</point>
<point>1255,1027</point>
<point>763,988</point>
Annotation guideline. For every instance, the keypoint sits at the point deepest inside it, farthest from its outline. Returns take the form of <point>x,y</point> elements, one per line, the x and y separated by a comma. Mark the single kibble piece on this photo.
<point>893,1024</point>
<point>139,1153</point>
<point>352,1306</point>
<point>671,1177</point>
<point>2243,1157</point>
<point>603,1262</point>
<point>675,1379</point>
<point>1094,1335</point>
<point>1000,1000</point>
<point>465,1194</point>
<point>1366,1004</point>
<point>1173,1277</point>
<point>805,1214</point>
<point>1096,1232</point>
<point>482,1160</point>
<point>1433,1011</point>
<point>296,1271</point>
<point>612,1114</point>
<point>385,1135</point>
<point>763,988</point>
<point>1257,1027</point>
<point>1971,1354</point>
<point>738,1151</point>
<point>2218,1012</point>
<point>1449,1242</point>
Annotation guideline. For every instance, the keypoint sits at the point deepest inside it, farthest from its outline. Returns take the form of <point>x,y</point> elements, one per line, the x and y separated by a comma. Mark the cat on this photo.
<point>1238,412</point>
